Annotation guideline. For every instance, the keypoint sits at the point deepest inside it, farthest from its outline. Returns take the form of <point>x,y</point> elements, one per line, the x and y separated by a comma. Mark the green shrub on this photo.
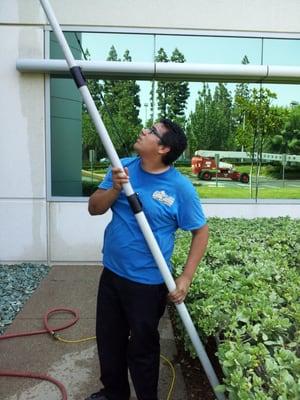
<point>246,294</point>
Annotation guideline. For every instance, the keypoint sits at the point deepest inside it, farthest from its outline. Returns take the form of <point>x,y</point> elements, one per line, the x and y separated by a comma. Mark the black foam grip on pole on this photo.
<point>78,77</point>
<point>134,203</point>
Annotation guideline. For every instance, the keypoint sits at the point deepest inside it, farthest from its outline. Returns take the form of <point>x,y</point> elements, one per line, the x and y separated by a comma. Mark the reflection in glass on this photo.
<point>281,52</point>
<point>278,165</point>
<point>99,46</point>
<point>247,130</point>
<point>212,49</point>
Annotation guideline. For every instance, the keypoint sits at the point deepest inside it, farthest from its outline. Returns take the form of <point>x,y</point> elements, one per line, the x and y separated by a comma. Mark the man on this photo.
<point>132,295</point>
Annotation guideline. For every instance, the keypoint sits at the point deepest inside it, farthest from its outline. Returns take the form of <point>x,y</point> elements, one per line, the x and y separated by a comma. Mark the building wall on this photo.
<point>242,15</point>
<point>34,229</point>
<point>22,148</point>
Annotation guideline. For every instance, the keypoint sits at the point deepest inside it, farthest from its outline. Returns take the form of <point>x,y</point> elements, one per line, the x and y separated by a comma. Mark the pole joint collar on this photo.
<point>135,203</point>
<point>78,76</point>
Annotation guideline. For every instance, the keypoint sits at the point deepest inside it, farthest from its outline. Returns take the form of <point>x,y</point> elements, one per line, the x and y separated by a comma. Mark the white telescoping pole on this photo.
<point>131,196</point>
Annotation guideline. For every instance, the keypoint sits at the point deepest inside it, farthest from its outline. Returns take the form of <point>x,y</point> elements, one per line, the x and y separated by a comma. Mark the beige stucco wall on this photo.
<point>240,15</point>
<point>22,149</point>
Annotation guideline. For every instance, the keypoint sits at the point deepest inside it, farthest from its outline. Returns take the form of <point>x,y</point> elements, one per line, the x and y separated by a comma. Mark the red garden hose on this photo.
<point>51,331</point>
<point>31,375</point>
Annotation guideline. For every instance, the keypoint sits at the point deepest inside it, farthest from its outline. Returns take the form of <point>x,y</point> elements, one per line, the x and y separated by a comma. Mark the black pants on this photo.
<point>128,315</point>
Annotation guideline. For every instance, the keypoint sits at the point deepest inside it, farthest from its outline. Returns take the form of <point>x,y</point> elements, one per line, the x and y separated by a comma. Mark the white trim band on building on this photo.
<point>168,71</point>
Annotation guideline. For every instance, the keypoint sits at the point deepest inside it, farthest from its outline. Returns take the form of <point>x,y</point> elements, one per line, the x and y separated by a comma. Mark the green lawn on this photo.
<point>209,192</point>
<point>213,192</point>
<point>97,174</point>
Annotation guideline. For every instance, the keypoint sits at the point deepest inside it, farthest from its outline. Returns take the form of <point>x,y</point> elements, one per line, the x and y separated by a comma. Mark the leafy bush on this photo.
<point>246,294</point>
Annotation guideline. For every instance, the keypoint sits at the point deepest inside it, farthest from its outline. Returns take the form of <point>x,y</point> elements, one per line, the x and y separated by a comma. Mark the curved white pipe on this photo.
<point>167,71</point>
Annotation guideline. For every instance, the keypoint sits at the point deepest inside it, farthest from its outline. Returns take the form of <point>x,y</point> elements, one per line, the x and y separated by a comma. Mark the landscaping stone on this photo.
<point>17,283</point>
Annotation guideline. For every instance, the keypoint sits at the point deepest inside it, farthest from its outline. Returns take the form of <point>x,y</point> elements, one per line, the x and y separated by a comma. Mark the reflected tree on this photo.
<point>171,96</point>
<point>288,141</point>
<point>209,126</point>
<point>90,137</point>
<point>120,110</point>
<point>119,105</point>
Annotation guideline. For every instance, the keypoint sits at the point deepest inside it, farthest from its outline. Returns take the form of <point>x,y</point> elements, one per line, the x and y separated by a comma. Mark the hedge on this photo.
<point>246,295</point>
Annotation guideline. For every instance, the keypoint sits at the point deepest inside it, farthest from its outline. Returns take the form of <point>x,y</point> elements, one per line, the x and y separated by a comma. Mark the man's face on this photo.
<point>150,140</point>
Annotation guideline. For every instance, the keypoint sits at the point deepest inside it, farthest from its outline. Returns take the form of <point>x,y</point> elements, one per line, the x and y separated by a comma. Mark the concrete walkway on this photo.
<point>75,365</point>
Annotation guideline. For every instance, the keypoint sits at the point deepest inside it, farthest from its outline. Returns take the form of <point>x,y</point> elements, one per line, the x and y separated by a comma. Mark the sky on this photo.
<point>206,50</point>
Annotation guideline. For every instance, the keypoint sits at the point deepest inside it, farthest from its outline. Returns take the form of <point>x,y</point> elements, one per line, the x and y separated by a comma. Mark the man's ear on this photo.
<point>162,149</point>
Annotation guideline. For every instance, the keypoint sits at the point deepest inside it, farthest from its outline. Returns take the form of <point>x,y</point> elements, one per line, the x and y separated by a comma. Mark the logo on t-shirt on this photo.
<point>163,197</point>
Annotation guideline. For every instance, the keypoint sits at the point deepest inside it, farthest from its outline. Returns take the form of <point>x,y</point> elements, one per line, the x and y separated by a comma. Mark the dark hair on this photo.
<point>174,138</point>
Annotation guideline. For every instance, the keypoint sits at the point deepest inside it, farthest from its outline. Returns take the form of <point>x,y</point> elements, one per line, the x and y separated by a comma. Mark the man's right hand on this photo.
<point>119,177</point>
<point>102,199</point>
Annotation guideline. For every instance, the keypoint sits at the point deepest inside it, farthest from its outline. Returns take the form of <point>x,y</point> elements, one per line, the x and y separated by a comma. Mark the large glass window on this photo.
<point>243,138</point>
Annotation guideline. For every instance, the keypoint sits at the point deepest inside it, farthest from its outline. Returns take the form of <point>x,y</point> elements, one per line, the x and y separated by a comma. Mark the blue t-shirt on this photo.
<point>169,202</point>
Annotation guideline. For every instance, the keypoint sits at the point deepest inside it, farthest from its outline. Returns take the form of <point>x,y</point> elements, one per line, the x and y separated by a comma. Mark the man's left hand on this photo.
<point>182,286</point>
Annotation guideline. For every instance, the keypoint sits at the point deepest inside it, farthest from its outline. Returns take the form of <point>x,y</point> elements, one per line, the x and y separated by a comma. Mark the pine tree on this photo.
<point>199,121</point>
<point>90,137</point>
<point>162,89</point>
<point>178,93</point>
<point>171,96</point>
<point>121,108</point>
<point>209,126</point>
<point>241,127</point>
<point>221,122</point>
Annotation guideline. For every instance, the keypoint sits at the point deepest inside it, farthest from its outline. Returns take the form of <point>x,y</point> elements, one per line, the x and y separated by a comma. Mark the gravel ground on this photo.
<point>17,283</point>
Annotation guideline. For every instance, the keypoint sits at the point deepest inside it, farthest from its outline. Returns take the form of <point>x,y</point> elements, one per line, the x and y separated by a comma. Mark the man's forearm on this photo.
<point>197,251</point>
<point>101,200</point>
